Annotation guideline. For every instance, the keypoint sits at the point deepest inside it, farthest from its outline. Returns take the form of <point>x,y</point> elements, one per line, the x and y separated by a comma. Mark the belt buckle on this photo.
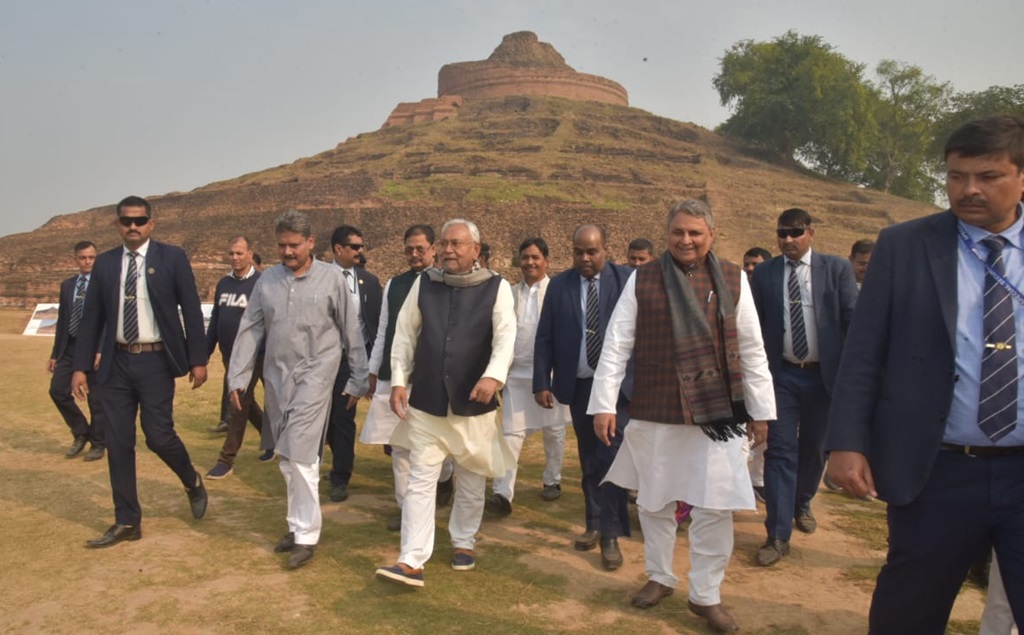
<point>135,348</point>
<point>967,452</point>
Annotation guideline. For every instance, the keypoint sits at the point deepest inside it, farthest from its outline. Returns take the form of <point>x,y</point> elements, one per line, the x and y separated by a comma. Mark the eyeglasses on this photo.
<point>454,244</point>
<point>354,246</point>
<point>790,232</point>
<point>138,221</point>
<point>417,249</point>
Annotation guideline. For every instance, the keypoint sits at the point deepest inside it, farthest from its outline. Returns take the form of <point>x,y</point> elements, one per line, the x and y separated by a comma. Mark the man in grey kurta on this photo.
<point>300,311</point>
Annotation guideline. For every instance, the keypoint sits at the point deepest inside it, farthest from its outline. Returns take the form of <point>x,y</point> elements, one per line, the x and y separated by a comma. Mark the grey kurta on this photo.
<point>306,323</point>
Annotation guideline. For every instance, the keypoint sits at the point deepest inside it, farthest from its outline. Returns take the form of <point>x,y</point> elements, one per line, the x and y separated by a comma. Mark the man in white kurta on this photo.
<point>521,416</point>
<point>380,421</point>
<point>300,311</point>
<point>453,342</point>
<point>666,462</point>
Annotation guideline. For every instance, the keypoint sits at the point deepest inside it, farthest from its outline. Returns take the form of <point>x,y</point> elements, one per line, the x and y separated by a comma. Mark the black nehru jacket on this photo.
<point>229,302</point>
<point>454,347</point>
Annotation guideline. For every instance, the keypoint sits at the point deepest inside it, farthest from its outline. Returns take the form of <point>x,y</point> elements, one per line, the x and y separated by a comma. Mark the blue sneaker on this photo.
<point>401,573</point>
<point>219,471</point>
<point>463,560</point>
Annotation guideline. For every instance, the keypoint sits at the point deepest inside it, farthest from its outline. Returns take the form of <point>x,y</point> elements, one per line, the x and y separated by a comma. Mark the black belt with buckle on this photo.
<point>140,348</point>
<point>802,364</point>
<point>983,451</point>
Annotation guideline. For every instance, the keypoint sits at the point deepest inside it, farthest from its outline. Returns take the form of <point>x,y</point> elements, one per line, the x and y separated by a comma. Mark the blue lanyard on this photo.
<point>999,278</point>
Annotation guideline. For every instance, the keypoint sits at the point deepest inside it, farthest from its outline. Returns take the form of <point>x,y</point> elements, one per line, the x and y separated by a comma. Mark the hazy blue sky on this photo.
<point>104,99</point>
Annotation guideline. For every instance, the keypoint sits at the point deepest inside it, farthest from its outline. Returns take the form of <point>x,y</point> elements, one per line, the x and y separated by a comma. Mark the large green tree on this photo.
<point>995,100</point>
<point>907,107</point>
<point>800,99</point>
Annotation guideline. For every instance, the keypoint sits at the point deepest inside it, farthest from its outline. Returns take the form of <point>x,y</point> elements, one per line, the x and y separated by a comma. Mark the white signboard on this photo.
<point>44,319</point>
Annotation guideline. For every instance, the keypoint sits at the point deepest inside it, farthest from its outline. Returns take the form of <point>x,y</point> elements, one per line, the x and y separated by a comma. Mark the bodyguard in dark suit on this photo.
<point>805,302</point>
<point>928,401</point>
<point>131,317</point>
<point>69,320</point>
<point>566,350</point>
<point>364,287</point>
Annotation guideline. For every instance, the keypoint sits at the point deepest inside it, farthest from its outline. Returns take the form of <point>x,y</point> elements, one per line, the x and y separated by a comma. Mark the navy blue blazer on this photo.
<point>62,338</point>
<point>834,287</point>
<point>895,383</point>
<point>560,331</point>
<point>171,285</point>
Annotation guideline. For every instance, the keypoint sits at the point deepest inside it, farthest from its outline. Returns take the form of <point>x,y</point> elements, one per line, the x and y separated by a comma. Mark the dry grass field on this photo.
<point>220,575</point>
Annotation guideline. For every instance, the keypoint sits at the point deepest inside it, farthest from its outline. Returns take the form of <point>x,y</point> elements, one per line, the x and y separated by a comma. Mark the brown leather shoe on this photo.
<point>650,594</point>
<point>805,522</point>
<point>611,556</point>
<point>716,615</point>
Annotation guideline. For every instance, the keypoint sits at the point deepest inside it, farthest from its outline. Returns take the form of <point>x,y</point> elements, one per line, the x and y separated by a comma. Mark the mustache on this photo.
<point>971,200</point>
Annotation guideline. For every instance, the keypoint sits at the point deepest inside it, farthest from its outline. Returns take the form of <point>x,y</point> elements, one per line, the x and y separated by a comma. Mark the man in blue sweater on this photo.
<point>230,300</point>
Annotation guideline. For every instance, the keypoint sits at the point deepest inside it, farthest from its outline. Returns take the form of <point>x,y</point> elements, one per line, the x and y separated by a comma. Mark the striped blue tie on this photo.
<point>76,307</point>
<point>130,319</point>
<point>997,406</point>
<point>796,313</point>
<point>593,324</point>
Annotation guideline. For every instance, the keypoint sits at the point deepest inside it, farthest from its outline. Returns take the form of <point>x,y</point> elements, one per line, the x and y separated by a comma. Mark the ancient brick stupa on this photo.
<point>521,65</point>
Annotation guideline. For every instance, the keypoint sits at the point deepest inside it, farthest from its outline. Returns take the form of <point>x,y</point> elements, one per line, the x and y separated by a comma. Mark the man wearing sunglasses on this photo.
<point>131,318</point>
<point>364,289</point>
<point>805,301</point>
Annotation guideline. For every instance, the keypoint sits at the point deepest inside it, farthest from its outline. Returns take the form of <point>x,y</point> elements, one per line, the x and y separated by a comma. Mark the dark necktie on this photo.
<point>997,406</point>
<point>76,308</point>
<point>593,324</point>
<point>130,319</point>
<point>796,313</point>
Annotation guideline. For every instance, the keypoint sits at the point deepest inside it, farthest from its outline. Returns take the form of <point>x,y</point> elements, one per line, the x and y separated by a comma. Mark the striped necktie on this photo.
<point>76,308</point>
<point>130,319</point>
<point>797,329</point>
<point>997,406</point>
<point>593,324</point>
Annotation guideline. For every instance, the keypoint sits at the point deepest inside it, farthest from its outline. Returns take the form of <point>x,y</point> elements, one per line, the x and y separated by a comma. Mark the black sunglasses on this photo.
<point>138,221</point>
<point>790,232</point>
<point>354,246</point>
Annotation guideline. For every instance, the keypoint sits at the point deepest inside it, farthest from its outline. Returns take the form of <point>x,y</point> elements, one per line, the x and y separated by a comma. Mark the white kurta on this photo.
<point>475,443</point>
<point>669,462</point>
<point>305,323</point>
<point>380,421</point>
<point>519,410</point>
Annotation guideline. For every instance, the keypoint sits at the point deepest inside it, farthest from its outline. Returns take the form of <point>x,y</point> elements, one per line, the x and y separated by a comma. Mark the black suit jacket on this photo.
<point>560,331</point>
<point>834,287</point>
<point>67,300</point>
<point>371,297</point>
<point>895,383</point>
<point>171,286</point>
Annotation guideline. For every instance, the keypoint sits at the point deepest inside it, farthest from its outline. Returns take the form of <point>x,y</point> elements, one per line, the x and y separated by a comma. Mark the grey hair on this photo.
<point>294,221</point>
<point>692,207</point>
<point>474,231</point>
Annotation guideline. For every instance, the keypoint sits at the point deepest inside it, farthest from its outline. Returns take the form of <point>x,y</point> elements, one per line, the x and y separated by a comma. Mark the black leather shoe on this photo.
<point>772,551</point>
<point>339,492</point>
<point>220,428</point>
<point>805,522</point>
<point>587,540</point>
<point>301,555</point>
<point>611,557</point>
<point>498,505</point>
<point>114,535</point>
<point>551,492</point>
<point>197,498</point>
<point>286,543</point>
<point>445,490</point>
<point>95,453</point>
<point>76,447</point>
